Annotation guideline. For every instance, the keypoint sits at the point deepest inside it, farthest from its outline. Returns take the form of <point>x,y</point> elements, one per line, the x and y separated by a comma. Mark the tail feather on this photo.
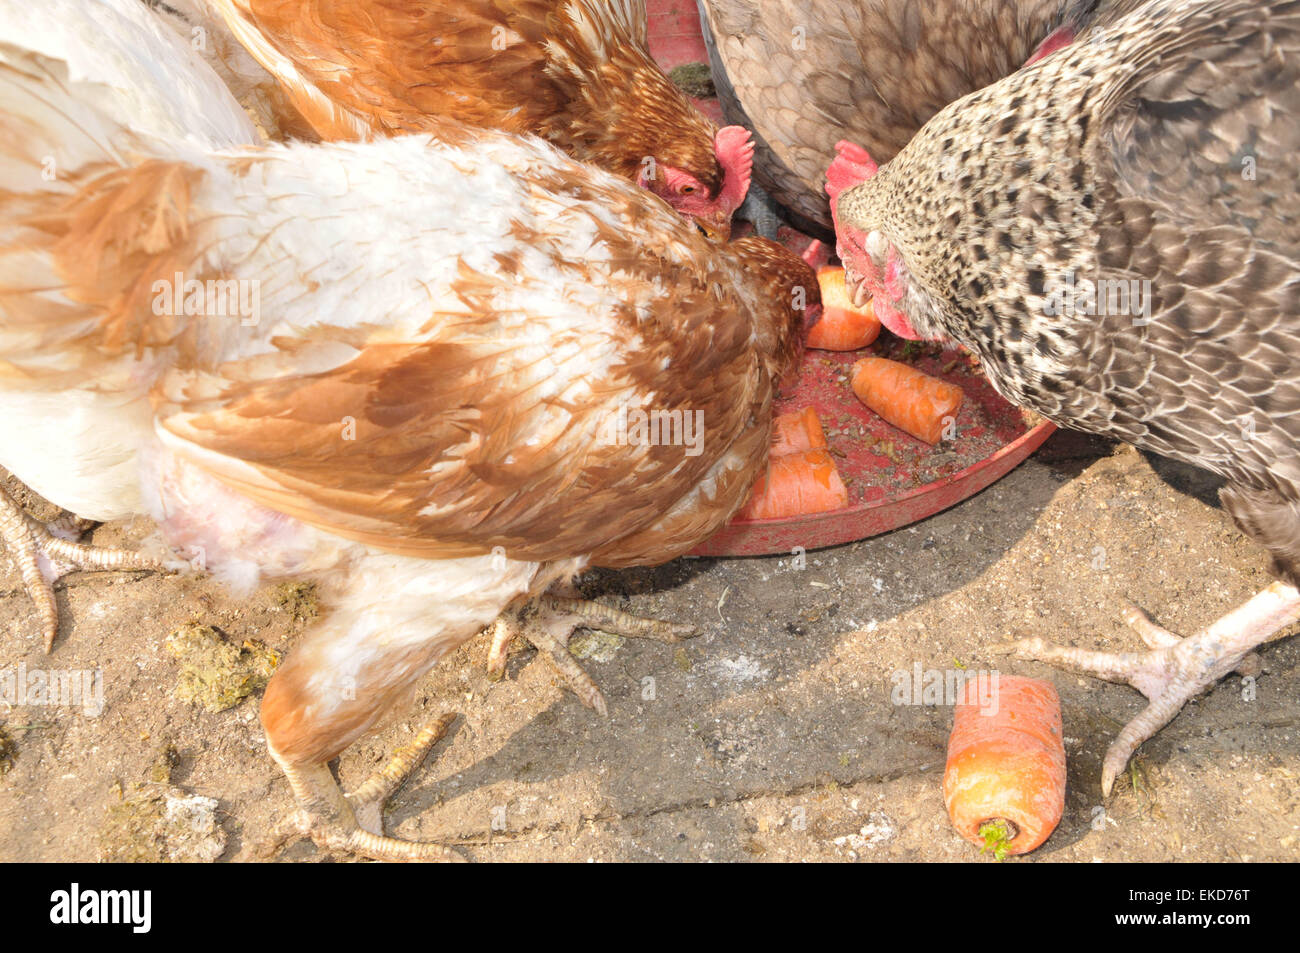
<point>51,124</point>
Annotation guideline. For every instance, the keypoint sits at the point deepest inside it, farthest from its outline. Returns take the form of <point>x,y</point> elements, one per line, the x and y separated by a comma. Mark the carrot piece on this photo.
<point>842,326</point>
<point>797,431</point>
<point>796,484</point>
<point>909,399</point>
<point>840,329</point>
<point>1004,783</point>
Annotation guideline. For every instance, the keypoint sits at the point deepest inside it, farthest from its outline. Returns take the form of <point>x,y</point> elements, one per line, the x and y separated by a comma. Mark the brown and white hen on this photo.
<point>419,408</point>
<point>64,435</point>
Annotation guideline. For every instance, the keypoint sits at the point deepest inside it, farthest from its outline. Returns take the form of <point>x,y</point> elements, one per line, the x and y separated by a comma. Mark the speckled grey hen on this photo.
<point>805,73</point>
<point>1156,156</point>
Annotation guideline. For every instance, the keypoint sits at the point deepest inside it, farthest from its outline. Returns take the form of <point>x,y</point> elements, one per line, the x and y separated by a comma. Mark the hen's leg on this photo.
<point>353,823</point>
<point>550,621</point>
<point>1176,670</point>
<point>42,557</point>
<point>365,656</point>
<point>761,211</point>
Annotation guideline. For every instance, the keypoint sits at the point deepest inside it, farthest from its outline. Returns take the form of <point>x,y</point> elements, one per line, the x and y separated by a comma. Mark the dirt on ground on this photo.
<point>773,736</point>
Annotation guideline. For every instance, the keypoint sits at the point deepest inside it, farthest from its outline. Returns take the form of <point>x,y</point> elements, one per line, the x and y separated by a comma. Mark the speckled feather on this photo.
<point>1125,157</point>
<point>872,71</point>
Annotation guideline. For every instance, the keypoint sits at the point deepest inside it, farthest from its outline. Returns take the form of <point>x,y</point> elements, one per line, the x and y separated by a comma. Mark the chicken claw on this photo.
<point>1176,669</point>
<point>353,823</point>
<point>550,621</point>
<point>43,554</point>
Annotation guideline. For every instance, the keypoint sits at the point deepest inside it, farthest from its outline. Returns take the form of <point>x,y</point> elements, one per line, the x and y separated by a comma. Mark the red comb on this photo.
<point>734,148</point>
<point>816,255</point>
<point>852,166</point>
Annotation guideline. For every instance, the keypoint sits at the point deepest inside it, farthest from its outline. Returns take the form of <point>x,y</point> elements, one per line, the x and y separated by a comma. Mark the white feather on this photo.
<point>160,85</point>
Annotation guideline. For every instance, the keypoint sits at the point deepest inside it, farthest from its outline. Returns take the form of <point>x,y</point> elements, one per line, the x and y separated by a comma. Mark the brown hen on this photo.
<point>576,72</point>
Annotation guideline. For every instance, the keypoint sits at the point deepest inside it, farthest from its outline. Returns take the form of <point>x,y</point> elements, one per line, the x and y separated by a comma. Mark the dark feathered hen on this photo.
<point>1157,156</point>
<point>805,73</point>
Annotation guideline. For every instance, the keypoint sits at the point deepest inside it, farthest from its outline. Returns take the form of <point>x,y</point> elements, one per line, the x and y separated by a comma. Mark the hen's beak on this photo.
<point>716,226</point>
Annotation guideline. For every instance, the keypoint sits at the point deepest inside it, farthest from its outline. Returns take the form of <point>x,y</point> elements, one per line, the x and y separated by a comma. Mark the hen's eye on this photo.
<point>688,190</point>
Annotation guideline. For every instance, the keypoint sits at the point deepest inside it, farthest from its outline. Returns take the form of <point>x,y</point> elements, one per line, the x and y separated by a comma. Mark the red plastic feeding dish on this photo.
<point>893,479</point>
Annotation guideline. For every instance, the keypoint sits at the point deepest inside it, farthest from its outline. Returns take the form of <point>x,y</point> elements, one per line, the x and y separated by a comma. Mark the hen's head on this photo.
<point>790,284</point>
<point>707,193</point>
<point>874,267</point>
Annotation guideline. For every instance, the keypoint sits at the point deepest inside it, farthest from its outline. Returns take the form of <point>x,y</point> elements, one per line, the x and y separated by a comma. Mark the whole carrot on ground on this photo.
<point>801,476</point>
<point>1004,783</point>
<point>922,405</point>
<point>842,326</point>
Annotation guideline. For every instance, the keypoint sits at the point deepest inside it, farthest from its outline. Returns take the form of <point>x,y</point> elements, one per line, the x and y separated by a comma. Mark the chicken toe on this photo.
<point>44,553</point>
<point>549,622</point>
<point>1176,669</point>
<point>353,823</point>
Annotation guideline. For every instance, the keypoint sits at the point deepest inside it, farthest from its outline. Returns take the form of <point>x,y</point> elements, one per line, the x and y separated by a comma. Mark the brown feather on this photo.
<point>109,240</point>
<point>386,67</point>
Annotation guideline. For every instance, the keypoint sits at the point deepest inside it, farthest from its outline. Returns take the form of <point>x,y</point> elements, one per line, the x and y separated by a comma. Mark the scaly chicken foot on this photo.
<point>353,823</point>
<point>1176,669</point>
<point>1158,637</point>
<point>43,555</point>
<point>549,622</point>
